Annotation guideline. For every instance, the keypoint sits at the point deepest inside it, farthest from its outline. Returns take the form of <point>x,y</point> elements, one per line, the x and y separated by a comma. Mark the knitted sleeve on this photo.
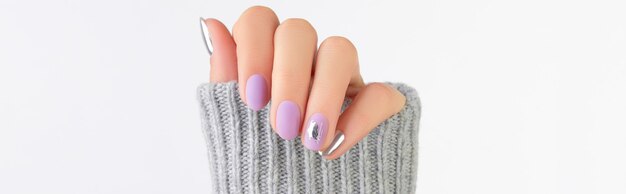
<point>246,156</point>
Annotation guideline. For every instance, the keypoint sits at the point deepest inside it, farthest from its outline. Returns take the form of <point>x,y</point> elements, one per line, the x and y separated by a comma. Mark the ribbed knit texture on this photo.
<point>246,156</point>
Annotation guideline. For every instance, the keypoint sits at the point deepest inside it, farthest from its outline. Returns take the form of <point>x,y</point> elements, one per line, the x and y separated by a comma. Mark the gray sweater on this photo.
<point>246,156</point>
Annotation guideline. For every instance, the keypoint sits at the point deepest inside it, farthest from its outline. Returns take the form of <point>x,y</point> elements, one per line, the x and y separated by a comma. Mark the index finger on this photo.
<point>221,47</point>
<point>254,36</point>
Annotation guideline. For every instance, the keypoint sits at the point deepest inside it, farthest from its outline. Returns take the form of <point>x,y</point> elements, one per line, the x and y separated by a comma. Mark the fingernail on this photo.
<point>336,143</point>
<point>206,36</point>
<point>316,132</point>
<point>256,92</point>
<point>288,120</point>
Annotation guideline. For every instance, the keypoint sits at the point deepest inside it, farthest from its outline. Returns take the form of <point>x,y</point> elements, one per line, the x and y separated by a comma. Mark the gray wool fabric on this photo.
<point>246,156</point>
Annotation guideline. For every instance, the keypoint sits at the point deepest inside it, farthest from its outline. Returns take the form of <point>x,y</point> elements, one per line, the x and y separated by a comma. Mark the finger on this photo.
<point>221,48</point>
<point>295,42</point>
<point>372,105</point>
<point>336,65</point>
<point>254,36</point>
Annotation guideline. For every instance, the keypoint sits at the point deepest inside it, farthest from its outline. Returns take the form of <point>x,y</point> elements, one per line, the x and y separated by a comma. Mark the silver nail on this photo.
<point>206,36</point>
<point>336,143</point>
<point>313,131</point>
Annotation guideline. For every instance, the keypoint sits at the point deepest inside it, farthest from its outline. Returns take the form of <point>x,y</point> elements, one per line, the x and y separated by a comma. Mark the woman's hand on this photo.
<point>307,85</point>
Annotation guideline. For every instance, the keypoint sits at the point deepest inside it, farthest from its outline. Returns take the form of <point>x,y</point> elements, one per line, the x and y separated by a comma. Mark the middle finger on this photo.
<point>295,42</point>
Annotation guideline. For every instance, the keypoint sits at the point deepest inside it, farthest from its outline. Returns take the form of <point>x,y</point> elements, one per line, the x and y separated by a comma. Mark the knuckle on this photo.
<point>338,43</point>
<point>340,47</point>
<point>382,90</point>
<point>296,23</point>
<point>255,18</point>
<point>299,25</point>
<point>259,13</point>
<point>392,96</point>
<point>258,9</point>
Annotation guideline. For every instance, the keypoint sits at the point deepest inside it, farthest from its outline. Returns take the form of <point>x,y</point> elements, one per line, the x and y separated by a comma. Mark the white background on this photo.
<point>518,96</point>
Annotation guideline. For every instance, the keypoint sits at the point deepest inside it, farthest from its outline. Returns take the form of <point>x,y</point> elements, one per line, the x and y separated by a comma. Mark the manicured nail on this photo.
<point>336,143</point>
<point>206,36</point>
<point>256,92</point>
<point>316,132</point>
<point>288,120</point>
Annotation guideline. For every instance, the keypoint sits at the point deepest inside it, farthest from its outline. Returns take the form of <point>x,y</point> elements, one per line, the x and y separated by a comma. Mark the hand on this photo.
<point>281,62</point>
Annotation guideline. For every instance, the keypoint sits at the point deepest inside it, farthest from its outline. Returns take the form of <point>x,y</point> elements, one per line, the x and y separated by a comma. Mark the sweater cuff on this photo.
<point>246,156</point>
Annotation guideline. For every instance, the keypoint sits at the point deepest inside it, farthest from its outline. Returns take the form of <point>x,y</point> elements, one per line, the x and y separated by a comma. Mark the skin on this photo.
<point>296,43</point>
<point>316,79</point>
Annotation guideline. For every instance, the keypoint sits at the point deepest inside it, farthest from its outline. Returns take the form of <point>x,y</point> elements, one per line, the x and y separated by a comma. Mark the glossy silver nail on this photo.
<point>339,137</point>
<point>206,36</point>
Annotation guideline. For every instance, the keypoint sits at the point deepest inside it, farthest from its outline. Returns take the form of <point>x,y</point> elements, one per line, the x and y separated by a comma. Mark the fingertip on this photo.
<point>221,48</point>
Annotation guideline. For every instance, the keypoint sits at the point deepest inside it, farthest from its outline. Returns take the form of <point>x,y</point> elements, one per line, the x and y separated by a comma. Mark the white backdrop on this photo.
<point>518,96</point>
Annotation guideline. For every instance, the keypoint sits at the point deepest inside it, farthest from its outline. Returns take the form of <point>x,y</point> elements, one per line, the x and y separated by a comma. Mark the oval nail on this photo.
<point>256,92</point>
<point>315,132</point>
<point>288,120</point>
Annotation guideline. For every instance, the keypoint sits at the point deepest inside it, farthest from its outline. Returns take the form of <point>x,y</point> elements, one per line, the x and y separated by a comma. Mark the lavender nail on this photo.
<point>288,120</point>
<point>316,132</point>
<point>256,92</point>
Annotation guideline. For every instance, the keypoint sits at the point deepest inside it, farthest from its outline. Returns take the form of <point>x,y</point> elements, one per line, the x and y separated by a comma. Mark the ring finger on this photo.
<point>336,68</point>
